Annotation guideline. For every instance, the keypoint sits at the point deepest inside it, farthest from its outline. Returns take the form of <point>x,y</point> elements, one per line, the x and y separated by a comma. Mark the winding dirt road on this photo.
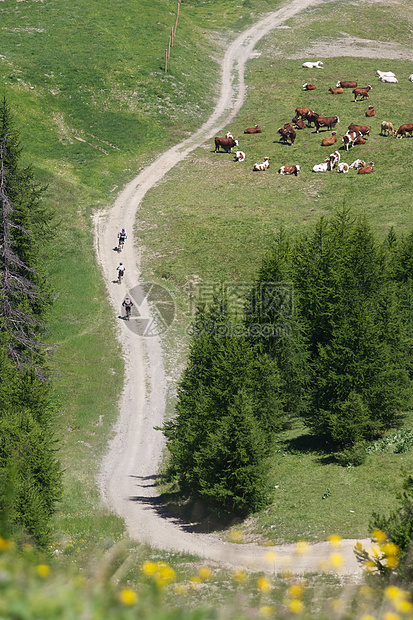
<point>128,474</point>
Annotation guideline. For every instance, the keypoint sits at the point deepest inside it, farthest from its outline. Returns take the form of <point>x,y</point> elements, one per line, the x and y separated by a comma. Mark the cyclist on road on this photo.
<point>122,236</point>
<point>127,304</point>
<point>121,271</point>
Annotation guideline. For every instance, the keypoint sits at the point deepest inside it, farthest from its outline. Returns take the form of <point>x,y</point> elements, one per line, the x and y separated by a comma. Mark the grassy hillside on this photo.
<point>218,218</point>
<point>86,84</point>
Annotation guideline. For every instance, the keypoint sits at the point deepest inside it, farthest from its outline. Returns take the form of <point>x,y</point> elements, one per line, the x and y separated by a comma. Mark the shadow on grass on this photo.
<point>310,444</point>
<point>192,516</point>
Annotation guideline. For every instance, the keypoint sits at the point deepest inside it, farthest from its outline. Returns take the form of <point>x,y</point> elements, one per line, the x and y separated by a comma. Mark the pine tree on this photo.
<point>228,412</point>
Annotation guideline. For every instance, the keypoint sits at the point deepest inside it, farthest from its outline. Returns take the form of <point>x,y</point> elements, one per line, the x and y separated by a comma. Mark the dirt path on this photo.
<point>129,469</point>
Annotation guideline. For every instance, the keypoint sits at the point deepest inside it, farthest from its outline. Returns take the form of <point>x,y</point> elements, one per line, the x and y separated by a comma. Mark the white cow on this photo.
<point>389,79</point>
<point>385,73</point>
<point>357,163</point>
<point>322,167</point>
<point>343,167</point>
<point>411,77</point>
<point>318,64</point>
<point>263,165</point>
<point>239,156</point>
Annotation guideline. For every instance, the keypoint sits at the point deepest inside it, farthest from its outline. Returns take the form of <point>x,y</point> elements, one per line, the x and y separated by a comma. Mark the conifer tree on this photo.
<point>228,412</point>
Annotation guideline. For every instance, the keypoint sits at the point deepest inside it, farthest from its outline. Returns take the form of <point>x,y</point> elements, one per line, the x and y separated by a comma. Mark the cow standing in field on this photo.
<point>387,126</point>
<point>225,143</point>
<point>362,92</point>
<point>326,121</point>
<point>403,130</point>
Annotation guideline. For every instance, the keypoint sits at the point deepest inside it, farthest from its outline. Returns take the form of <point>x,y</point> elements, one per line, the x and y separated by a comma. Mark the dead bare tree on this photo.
<point>17,292</point>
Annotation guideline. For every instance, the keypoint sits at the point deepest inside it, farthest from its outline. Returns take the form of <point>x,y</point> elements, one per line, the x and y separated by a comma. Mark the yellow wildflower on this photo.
<point>43,570</point>
<point>390,549</point>
<point>149,568</point>
<point>264,585</point>
<point>392,592</point>
<point>6,545</point>
<point>302,547</point>
<point>270,557</point>
<point>239,575</point>
<point>295,590</point>
<point>336,560</point>
<point>390,615</point>
<point>195,582</point>
<point>369,566</point>
<point>128,597</point>
<point>266,611</point>
<point>165,575</point>
<point>335,540</point>
<point>205,572</point>
<point>392,562</point>
<point>236,536</point>
<point>379,536</point>
<point>296,606</point>
<point>367,617</point>
<point>403,606</point>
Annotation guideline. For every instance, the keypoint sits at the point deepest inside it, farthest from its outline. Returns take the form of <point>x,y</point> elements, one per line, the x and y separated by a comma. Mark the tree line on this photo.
<point>30,474</point>
<point>342,363</point>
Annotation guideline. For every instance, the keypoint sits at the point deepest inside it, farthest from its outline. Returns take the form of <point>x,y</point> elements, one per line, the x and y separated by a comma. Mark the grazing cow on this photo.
<point>346,84</point>
<point>322,167</point>
<point>389,79</point>
<point>313,65</point>
<point>256,129</point>
<point>309,86</point>
<point>358,163</point>
<point>403,130</point>
<point>387,126</point>
<point>225,143</point>
<point>298,123</point>
<point>385,73</point>
<point>370,111</point>
<point>289,170</point>
<point>362,92</point>
<point>411,77</point>
<point>326,121</point>
<point>330,140</point>
<point>366,169</point>
<point>359,140</point>
<point>310,117</point>
<point>349,138</point>
<point>299,112</point>
<point>263,165</point>
<point>336,91</point>
<point>343,167</point>
<point>363,129</point>
<point>334,159</point>
<point>287,133</point>
<point>239,156</point>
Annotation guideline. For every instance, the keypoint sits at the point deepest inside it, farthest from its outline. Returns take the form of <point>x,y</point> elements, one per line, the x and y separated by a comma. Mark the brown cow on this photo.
<point>330,140</point>
<point>309,86</point>
<point>256,129</point>
<point>359,140</point>
<point>403,130</point>
<point>363,129</point>
<point>300,111</point>
<point>326,121</point>
<point>289,170</point>
<point>363,93</point>
<point>226,143</point>
<point>336,91</point>
<point>287,133</point>
<point>346,84</point>
<point>310,117</point>
<point>298,123</point>
<point>370,111</point>
<point>366,169</point>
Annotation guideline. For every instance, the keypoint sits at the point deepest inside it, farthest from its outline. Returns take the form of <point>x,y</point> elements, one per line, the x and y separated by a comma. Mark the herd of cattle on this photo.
<point>305,117</point>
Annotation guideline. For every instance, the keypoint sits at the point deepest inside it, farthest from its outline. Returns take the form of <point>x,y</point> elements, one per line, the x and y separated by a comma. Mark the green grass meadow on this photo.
<point>86,84</point>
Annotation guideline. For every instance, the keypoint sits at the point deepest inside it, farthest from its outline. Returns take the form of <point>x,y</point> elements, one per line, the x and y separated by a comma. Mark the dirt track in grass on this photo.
<point>128,473</point>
